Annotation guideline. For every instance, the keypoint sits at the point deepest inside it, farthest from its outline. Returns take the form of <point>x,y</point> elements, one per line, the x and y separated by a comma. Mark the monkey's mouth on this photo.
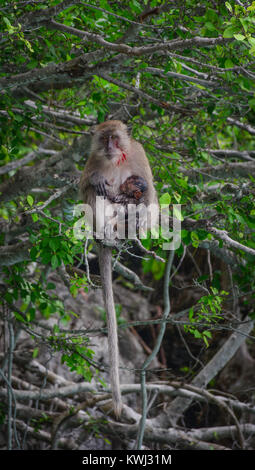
<point>117,155</point>
<point>111,155</point>
<point>113,151</point>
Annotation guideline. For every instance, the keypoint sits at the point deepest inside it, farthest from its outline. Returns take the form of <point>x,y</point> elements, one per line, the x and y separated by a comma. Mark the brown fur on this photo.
<point>114,158</point>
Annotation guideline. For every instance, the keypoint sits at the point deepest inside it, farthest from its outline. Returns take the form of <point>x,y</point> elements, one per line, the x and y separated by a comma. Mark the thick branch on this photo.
<point>246,127</point>
<point>175,44</point>
<point>13,254</point>
<point>185,439</point>
<point>48,394</point>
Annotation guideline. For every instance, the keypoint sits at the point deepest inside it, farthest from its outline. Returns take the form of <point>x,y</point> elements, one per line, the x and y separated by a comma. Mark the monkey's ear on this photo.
<point>129,129</point>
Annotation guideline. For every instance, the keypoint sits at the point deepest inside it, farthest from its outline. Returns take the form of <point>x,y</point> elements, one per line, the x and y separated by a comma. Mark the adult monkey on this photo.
<point>116,162</point>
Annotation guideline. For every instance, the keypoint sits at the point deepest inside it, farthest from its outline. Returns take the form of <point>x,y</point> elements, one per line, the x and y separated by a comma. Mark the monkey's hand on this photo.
<point>99,183</point>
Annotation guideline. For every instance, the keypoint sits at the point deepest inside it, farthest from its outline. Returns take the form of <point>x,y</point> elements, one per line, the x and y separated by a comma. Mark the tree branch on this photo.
<point>246,127</point>
<point>136,51</point>
<point>232,153</point>
<point>191,224</point>
<point>143,95</point>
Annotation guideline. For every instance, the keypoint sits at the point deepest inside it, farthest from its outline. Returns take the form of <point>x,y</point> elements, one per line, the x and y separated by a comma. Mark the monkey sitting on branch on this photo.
<point>119,171</point>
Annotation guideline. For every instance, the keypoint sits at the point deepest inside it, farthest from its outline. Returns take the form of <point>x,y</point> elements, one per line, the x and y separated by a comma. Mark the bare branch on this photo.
<point>191,224</point>
<point>62,115</point>
<point>148,252</point>
<point>223,235</point>
<point>59,193</point>
<point>180,76</point>
<point>31,156</point>
<point>13,254</point>
<point>164,436</point>
<point>131,276</point>
<point>246,127</point>
<point>143,95</point>
<point>175,44</point>
<point>47,172</point>
<point>232,153</point>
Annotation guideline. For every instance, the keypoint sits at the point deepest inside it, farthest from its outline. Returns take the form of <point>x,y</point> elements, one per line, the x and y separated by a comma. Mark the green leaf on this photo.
<point>35,217</point>
<point>135,6</point>
<point>28,45</point>
<point>197,334</point>
<point>210,26</point>
<point>35,352</point>
<point>54,261</point>
<point>165,199</point>
<point>30,200</point>
<point>19,317</point>
<point>229,7</point>
<point>239,37</point>
<point>228,64</point>
<point>207,333</point>
<point>251,7</point>
<point>252,41</point>
<point>229,32</point>
<point>177,212</point>
<point>10,28</point>
<point>33,253</point>
<point>54,243</point>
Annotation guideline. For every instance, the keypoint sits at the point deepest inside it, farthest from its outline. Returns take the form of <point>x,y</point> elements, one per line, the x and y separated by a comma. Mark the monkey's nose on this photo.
<point>111,145</point>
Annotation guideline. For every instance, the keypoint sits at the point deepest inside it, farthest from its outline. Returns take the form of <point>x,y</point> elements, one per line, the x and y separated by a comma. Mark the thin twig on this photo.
<point>148,252</point>
<point>15,407</point>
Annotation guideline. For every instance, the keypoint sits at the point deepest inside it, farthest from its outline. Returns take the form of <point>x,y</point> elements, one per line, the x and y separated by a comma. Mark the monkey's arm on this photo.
<point>93,180</point>
<point>99,183</point>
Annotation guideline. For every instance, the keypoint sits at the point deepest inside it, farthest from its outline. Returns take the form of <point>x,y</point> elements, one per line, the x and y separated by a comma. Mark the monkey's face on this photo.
<point>111,141</point>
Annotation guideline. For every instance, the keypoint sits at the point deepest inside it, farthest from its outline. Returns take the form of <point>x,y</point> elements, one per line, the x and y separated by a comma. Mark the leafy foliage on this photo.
<point>182,76</point>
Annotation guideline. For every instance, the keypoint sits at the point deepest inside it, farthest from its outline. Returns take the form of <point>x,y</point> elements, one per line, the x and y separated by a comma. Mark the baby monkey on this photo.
<point>131,191</point>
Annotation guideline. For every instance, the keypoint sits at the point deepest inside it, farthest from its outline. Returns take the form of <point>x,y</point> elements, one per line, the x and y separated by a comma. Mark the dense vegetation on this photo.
<point>181,75</point>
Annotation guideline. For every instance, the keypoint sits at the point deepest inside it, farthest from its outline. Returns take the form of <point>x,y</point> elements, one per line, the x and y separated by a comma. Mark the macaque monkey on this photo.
<point>119,171</point>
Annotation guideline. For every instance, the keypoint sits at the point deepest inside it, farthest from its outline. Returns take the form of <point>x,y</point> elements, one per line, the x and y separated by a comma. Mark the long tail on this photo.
<point>105,264</point>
